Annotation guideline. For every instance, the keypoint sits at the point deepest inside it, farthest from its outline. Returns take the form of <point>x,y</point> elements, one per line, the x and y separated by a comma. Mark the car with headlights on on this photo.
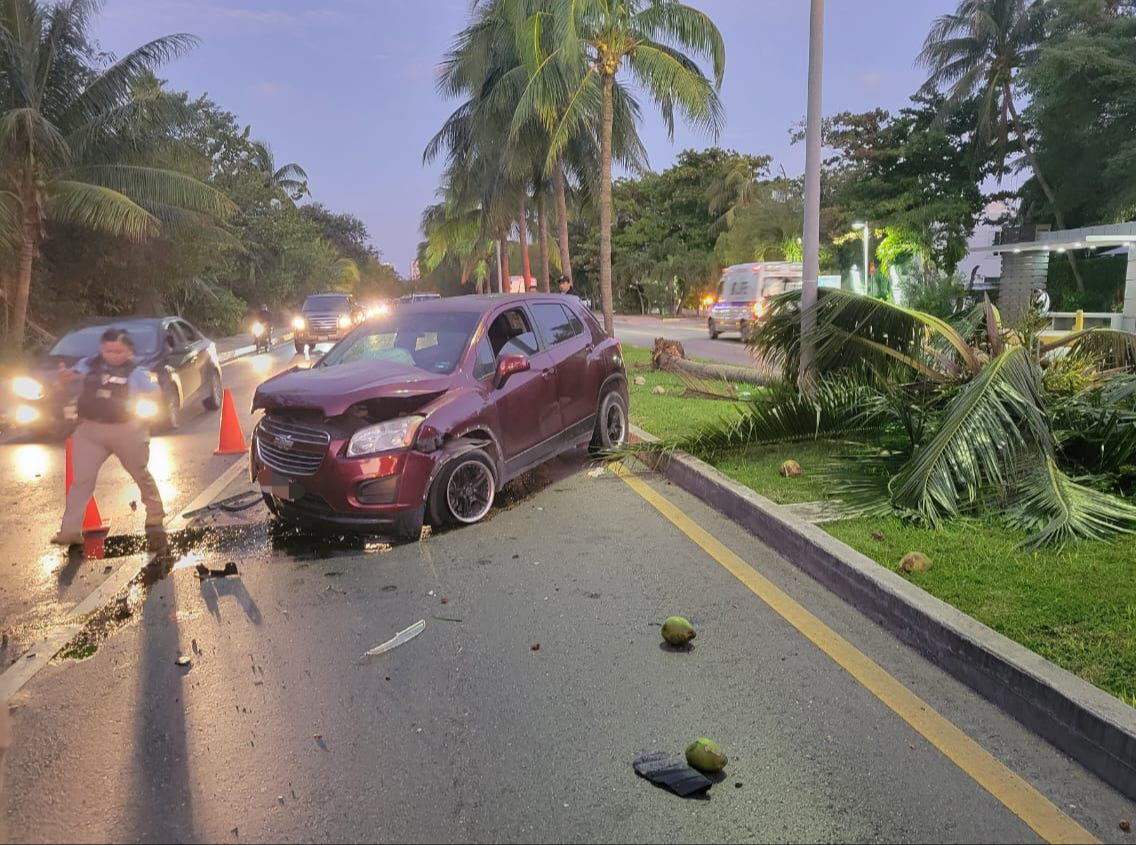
<point>422,414</point>
<point>183,360</point>
<point>325,318</point>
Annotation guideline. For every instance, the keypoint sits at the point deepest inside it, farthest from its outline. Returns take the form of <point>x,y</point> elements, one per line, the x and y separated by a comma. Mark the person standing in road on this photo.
<point>109,424</point>
<point>566,286</point>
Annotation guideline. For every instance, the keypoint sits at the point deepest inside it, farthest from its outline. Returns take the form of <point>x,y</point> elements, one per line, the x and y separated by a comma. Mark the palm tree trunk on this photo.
<point>1046,188</point>
<point>542,230</point>
<point>560,192</point>
<point>605,205</point>
<point>523,225</point>
<point>24,276</point>
<point>506,281</point>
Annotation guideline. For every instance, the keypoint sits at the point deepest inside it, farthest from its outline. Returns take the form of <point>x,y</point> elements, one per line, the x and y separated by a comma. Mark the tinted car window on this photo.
<point>189,331</point>
<point>556,324</point>
<point>433,342</point>
<point>485,364</point>
<point>83,343</point>
<point>327,303</point>
<point>511,334</point>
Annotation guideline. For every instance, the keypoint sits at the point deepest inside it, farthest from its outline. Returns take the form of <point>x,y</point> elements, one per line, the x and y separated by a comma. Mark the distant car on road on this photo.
<point>184,361</point>
<point>424,413</point>
<point>744,292</point>
<point>325,318</point>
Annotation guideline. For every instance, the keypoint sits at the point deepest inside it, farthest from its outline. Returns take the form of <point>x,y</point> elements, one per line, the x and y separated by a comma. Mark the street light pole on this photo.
<point>866,229</point>
<point>811,229</point>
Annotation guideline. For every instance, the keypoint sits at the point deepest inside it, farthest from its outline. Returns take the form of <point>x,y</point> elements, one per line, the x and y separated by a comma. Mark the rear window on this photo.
<point>433,342</point>
<point>83,343</point>
<point>326,303</point>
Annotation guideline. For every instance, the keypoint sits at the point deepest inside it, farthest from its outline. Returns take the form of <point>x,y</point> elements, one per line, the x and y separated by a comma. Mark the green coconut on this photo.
<point>790,469</point>
<point>677,631</point>
<point>705,755</point>
<point>915,562</point>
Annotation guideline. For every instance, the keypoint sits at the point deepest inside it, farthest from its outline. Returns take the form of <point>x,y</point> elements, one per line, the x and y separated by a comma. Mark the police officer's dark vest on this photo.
<point>105,396</point>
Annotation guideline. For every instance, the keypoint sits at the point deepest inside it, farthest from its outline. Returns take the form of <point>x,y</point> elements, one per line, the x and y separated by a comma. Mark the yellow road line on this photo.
<point>1010,789</point>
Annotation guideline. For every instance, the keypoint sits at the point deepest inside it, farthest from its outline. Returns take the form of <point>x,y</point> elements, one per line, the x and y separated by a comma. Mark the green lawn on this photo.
<point>1075,606</point>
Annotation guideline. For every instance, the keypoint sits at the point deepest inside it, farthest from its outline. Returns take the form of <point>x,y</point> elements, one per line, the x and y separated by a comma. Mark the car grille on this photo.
<point>302,456</point>
<point>323,325</point>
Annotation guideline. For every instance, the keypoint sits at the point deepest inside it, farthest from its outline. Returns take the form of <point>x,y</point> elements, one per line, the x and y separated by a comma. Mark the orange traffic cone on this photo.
<point>92,519</point>
<point>232,440</point>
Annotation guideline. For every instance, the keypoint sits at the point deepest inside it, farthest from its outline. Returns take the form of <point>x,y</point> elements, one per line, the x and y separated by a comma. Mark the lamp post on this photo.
<point>811,230</point>
<point>858,227</point>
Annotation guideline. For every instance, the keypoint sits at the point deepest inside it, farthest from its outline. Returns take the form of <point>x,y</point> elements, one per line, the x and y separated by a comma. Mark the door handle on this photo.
<point>589,347</point>
<point>547,374</point>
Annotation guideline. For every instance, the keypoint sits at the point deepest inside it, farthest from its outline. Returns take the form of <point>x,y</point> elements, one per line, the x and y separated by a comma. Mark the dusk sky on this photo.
<point>346,87</point>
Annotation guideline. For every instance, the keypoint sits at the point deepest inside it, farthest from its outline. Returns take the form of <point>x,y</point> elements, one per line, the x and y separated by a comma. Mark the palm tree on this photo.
<point>291,179</point>
<point>597,39</point>
<point>75,144</point>
<point>977,52</point>
<point>939,417</point>
<point>739,186</point>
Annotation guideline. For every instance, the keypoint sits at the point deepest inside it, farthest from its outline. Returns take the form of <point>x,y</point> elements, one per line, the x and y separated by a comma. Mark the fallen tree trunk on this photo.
<point>720,372</point>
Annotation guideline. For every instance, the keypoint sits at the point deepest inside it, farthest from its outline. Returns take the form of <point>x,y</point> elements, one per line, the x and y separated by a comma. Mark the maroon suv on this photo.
<point>424,413</point>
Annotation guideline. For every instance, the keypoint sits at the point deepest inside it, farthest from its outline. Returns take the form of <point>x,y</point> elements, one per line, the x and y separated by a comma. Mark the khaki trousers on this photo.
<point>93,443</point>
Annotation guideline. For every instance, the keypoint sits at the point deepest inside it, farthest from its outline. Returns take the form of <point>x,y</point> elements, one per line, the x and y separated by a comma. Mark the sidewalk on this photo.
<point>229,348</point>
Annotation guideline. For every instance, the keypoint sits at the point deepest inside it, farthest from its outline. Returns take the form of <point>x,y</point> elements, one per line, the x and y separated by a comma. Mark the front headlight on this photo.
<point>26,415</point>
<point>392,434</point>
<point>257,329</point>
<point>28,388</point>
<point>344,321</point>
<point>146,409</point>
<point>298,323</point>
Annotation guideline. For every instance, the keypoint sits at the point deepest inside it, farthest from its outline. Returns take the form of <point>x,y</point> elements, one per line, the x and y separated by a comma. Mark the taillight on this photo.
<point>759,309</point>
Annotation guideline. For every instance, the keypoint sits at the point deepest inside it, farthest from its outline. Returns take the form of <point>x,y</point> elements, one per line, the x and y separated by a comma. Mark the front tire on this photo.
<point>464,490</point>
<point>611,423</point>
<point>215,395</point>
<point>173,410</point>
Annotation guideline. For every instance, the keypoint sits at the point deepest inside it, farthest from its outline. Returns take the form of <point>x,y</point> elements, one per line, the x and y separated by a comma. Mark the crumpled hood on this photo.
<point>333,390</point>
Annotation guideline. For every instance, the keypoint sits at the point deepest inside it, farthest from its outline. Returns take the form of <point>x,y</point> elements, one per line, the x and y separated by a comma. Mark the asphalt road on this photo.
<point>37,584</point>
<point>642,331</point>
<point>282,731</point>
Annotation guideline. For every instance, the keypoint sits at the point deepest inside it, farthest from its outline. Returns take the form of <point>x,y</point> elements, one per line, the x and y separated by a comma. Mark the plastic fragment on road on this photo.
<point>398,639</point>
<point>672,772</point>
<point>598,472</point>
<point>204,571</point>
<point>184,660</point>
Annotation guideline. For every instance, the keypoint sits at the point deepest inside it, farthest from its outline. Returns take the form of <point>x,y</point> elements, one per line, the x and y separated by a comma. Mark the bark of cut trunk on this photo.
<point>542,233</point>
<point>526,265</point>
<point>506,281</point>
<point>715,372</point>
<point>1046,188</point>
<point>605,206</point>
<point>560,191</point>
<point>24,277</point>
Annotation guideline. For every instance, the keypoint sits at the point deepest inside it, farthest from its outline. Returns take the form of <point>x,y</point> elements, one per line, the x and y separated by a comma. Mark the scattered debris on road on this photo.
<point>671,771</point>
<point>534,647</point>
<point>677,631</point>
<point>445,600</point>
<point>204,571</point>
<point>705,755</point>
<point>398,639</point>
<point>184,660</point>
<point>1125,825</point>
<point>598,472</point>
<point>446,619</point>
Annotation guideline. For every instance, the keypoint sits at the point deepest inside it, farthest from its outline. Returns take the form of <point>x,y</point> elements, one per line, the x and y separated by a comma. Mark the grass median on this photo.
<point>1075,606</point>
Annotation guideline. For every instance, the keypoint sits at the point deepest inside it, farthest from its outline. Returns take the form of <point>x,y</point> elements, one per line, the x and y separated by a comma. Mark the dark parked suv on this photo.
<point>325,317</point>
<point>423,414</point>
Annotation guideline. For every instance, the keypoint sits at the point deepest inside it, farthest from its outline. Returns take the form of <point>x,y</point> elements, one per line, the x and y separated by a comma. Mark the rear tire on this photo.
<point>463,490</point>
<point>611,423</point>
<point>215,394</point>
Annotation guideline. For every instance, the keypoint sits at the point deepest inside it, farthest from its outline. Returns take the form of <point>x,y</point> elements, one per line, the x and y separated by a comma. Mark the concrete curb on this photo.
<point>1088,724</point>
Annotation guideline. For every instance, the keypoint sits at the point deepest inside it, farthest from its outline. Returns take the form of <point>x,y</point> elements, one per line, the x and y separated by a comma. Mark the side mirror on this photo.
<point>510,365</point>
